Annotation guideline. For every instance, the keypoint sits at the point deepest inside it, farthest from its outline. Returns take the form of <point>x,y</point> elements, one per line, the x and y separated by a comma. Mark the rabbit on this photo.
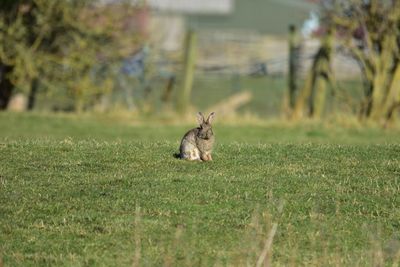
<point>197,143</point>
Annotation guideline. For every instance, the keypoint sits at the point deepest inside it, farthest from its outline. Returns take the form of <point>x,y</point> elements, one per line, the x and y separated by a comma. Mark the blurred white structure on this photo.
<point>183,6</point>
<point>167,23</point>
<point>193,6</point>
<point>311,25</point>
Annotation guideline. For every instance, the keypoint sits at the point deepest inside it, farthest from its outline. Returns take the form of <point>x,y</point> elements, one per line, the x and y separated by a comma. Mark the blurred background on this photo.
<point>283,59</point>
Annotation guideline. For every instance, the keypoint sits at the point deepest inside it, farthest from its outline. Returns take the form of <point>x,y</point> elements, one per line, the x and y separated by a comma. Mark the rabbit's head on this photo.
<point>205,129</point>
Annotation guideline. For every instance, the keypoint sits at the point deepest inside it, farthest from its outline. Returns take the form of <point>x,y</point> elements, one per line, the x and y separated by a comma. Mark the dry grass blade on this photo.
<point>136,259</point>
<point>267,246</point>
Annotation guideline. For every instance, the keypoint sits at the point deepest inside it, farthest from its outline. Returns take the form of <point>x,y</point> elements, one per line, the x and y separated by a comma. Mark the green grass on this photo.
<point>88,192</point>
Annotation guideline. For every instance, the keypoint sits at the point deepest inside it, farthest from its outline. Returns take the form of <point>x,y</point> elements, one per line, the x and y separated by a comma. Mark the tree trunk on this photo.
<point>314,90</point>
<point>32,94</point>
<point>393,94</point>
<point>6,87</point>
<point>379,84</point>
<point>383,78</point>
<point>318,97</point>
<point>304,95</point>
<point>323,76</point>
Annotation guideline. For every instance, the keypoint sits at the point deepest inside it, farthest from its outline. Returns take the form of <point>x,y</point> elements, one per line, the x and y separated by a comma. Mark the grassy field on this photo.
<point>102,192</point>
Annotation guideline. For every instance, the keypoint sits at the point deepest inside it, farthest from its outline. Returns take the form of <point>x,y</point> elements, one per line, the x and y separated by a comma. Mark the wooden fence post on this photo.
<point>294,49</point>
<point>188,72</point>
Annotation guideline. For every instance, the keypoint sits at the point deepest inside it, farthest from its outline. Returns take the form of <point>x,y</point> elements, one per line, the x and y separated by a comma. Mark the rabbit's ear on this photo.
<point>200,118</point>
<point>211,117</point>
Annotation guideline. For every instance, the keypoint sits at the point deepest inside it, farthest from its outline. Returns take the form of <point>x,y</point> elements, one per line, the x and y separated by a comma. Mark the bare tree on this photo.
<point>369,30</point>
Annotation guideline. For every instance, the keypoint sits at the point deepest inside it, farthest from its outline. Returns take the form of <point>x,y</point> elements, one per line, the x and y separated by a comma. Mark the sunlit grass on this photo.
<point>81,192</point>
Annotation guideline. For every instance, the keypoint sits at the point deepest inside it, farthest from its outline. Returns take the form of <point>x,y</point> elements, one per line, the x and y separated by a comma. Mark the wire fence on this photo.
<point>258,68</point>
<point>226,66</point>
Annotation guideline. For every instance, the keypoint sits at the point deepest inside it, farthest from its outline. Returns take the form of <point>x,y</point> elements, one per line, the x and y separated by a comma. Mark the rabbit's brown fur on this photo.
<point>197,144</point>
